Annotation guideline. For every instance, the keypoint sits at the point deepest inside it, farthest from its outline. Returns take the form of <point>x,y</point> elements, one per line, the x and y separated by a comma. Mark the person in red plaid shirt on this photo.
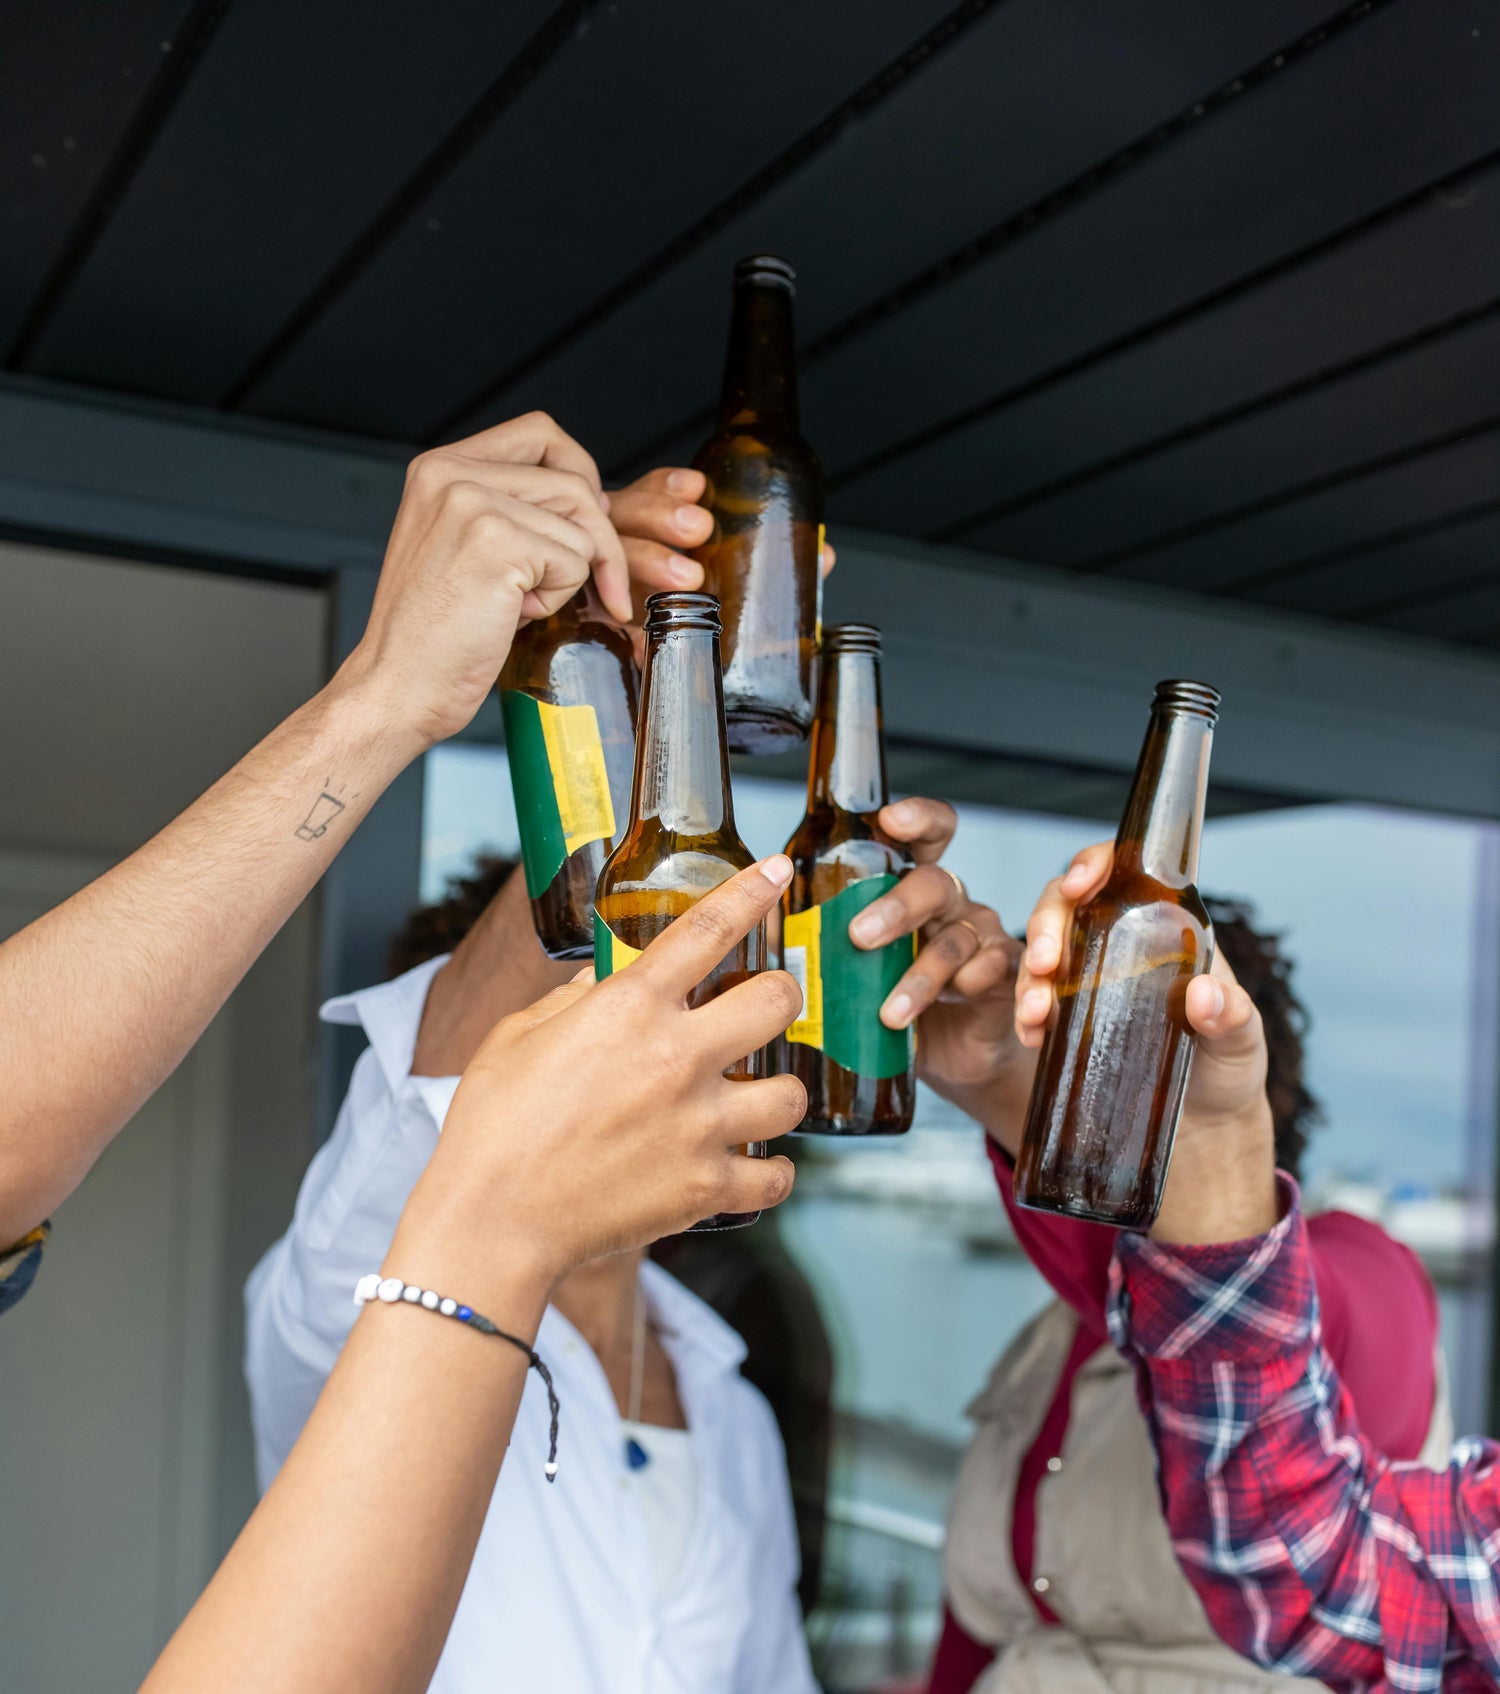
<point>1311,1552</point>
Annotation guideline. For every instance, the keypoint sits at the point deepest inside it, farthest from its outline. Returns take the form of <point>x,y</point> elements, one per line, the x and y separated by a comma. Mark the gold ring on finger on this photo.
<point>957,882</point>
<point>963,923</point>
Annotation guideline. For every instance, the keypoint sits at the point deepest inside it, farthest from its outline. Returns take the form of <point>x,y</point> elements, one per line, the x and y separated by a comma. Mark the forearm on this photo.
<point>498,968</point>
<point>349,1571</point>
<point>101,998</point>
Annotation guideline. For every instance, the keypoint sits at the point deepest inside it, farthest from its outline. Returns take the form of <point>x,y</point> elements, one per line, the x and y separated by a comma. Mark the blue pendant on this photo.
<point>636,1455</point>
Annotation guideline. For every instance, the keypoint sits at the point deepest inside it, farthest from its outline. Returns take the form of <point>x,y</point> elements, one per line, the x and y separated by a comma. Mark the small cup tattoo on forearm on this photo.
<point>324,810</point>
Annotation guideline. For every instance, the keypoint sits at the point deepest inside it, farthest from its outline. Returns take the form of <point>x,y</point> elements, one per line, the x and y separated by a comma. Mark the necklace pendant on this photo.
<point>636,1455</point>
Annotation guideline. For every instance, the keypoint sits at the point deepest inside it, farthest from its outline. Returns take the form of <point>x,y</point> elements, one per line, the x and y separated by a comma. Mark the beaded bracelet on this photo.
<point>392,1289</point>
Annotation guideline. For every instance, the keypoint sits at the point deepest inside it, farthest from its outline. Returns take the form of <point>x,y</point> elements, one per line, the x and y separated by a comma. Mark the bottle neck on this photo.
<point>760,366</point>
<point>681,760</point>
<point>1163,824</point>
<point>846,771</point>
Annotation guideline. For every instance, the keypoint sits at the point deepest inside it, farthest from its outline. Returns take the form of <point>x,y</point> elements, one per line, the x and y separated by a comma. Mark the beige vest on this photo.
<point>1131,1623</point>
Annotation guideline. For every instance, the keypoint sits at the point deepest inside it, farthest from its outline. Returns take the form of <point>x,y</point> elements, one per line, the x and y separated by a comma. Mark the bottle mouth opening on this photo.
<point>678,609</point>
<point>1198,698</point>
<point>852,638</point>
<point>762,269</point>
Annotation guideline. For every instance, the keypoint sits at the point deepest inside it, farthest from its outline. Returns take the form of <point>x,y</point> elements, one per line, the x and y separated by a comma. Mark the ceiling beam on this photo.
<point>985,655</point>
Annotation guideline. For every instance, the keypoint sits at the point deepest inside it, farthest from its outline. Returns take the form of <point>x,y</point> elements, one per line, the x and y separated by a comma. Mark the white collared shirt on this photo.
<point>561,1597</point>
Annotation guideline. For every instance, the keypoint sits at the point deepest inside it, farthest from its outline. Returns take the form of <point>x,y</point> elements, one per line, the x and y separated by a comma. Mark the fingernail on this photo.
<point>683,570</point>
<point>688,517</point>
<point>585,975</point>
<point>896,1012</point>
<point>682,482</point>
<point>1216,1006</point>
<point>868,927</point>
<point>777,870</point>
<point>1076,874</point>
<point>1034,1003</point>
<point>1041,955</point>
<point>904,812</point>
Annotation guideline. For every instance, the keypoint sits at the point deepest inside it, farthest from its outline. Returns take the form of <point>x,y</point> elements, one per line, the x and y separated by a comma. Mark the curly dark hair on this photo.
<point>433,930</point>
<point>1265,972</point>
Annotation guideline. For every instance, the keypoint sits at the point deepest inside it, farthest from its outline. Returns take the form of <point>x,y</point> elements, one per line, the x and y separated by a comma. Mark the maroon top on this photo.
<point>1380,1326</point>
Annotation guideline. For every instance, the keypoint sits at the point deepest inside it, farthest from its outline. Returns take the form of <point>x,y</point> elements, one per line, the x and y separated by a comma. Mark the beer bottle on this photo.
<point>680,842</point>
<point>765,490</point>
<point>568,697</point>
<point>858,1073</point>
<point>1114,1062</point>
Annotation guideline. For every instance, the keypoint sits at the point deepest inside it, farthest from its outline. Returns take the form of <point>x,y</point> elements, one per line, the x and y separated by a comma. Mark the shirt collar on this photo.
<point>391,1014</point>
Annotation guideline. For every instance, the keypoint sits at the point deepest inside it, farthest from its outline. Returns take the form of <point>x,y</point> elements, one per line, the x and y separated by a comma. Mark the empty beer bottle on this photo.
<point>765,490</point>
<point>1114,1062</point>
<point>568,697</point>
<point>858,1073</point>
<point>680,842</point>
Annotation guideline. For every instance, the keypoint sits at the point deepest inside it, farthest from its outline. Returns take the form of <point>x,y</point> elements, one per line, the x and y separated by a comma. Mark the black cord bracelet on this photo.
<point>392,1291</point>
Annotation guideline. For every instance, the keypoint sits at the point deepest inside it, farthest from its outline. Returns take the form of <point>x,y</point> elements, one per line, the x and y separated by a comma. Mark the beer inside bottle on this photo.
<point>568,697</point>
<point>1114,1063</point>
<point>858,1073</point>
<point>765,491</point>
<point>680,841</point>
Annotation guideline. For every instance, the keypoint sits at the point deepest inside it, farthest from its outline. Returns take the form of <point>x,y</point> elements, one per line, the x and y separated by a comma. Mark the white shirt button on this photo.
<point>1054,1464</point>
<point>1040,1585</point>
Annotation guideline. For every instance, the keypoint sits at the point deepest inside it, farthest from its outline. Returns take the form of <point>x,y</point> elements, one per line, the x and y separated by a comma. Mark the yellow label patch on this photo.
<point>801,950</point>
<point>580,778</point>
<point>818,623</point>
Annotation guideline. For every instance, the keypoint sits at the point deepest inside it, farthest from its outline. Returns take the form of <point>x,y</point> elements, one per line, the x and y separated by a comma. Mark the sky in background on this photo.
<point>1380,909</point>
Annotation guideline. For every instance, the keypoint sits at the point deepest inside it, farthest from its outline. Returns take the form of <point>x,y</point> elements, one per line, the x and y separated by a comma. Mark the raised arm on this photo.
<point>597,1120</point>
<point>1311,1552</point>
<point>101,998</point>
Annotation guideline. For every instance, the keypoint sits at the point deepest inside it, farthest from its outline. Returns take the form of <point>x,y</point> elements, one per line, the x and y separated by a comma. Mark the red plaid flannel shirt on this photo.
<point>1311,1553</point>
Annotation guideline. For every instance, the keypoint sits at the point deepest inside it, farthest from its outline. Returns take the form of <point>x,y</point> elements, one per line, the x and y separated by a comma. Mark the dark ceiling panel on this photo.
<point>1035,94</point>
<point>1374,579</point>
<point>661,109</point>
<point>273,162</point>
<point>1346,300</point>
<point>1430,391</point>
<point>1470,615</point>
<point>72,74</point>
<point>1384,499</point>
<point>1388,105</point>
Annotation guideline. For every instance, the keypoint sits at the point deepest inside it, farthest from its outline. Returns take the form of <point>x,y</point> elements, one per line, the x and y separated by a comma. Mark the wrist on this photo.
<point>376,710</point>
<point>1222,1184</point>
<point>504,1279</point>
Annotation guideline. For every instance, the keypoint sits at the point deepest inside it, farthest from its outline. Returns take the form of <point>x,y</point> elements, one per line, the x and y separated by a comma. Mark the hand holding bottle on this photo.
<point>600,1118</point>
<point>1219,1187</point>
<point>958,988</point>
<point>492,531</point>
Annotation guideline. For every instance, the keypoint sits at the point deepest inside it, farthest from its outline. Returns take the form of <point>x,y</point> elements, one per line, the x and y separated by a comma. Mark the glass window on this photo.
<point>910,1272</point>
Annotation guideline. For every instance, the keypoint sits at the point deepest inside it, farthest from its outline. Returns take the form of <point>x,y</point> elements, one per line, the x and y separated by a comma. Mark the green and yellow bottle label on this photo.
<point>610,953</point>
<point>560,780</point>
<point>844,987</point>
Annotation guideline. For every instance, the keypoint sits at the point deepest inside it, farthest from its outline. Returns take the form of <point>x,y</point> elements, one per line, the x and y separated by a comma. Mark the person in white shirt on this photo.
<point>672,1577</point>
<point>663,1560</point>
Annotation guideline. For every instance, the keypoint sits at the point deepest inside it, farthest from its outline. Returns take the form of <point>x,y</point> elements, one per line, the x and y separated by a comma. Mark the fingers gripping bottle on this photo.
<point>680,841</point>
<point>858,1074</point>
<point>568,698</point>
<point>1114,1063</point>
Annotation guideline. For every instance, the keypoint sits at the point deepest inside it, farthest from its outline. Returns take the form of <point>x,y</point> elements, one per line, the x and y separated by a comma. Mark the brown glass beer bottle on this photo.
<point>858,1074</point>
<point>1114,1062</point>
<point>568,697</point>
<point>680,842</point>
<point>765,491</point>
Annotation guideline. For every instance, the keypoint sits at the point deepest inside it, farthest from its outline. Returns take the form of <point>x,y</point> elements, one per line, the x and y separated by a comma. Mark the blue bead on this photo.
<point>636,1455</point>
<point>464,1313</point>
